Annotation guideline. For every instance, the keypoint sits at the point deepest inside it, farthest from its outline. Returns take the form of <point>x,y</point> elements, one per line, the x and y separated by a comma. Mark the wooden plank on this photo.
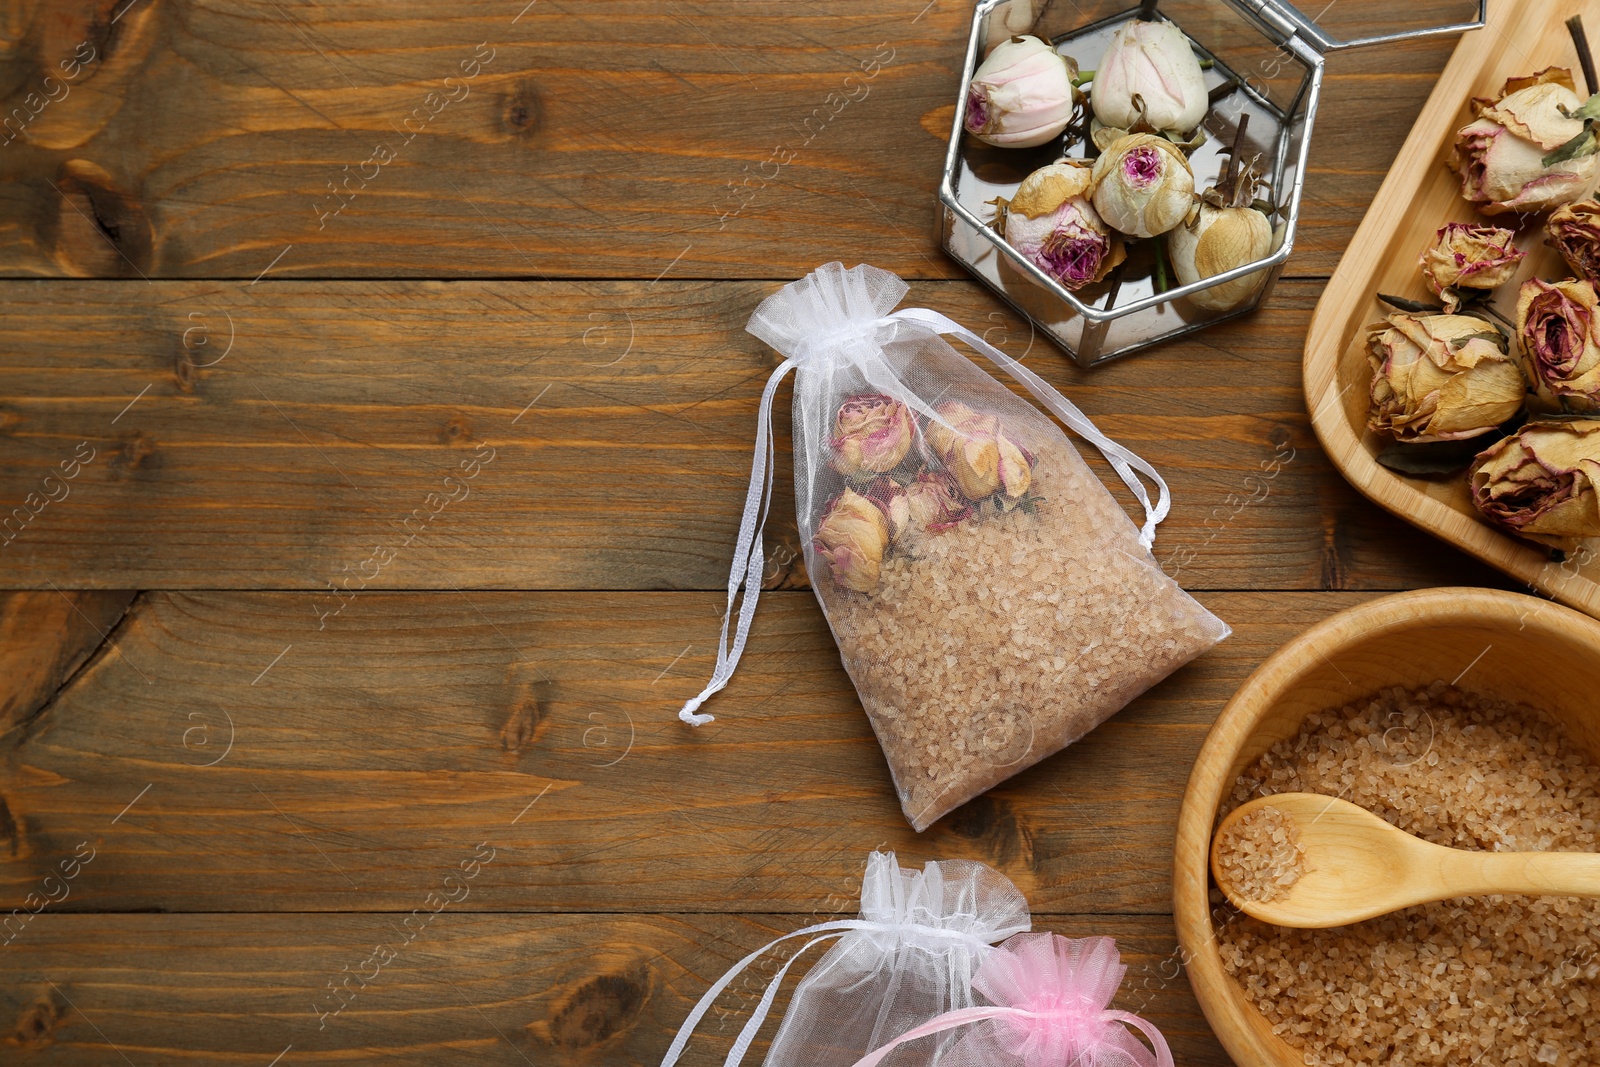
<point>294,435</point>
<point>227,755</point>
<point>621,140</point>
<point>44,638</point>
<point>484,989</point>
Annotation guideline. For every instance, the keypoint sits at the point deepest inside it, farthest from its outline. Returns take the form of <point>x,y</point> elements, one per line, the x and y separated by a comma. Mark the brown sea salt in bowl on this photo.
<point>1500,646</point>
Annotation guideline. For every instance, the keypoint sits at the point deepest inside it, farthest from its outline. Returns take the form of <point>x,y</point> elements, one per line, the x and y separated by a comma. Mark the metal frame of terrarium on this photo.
<point>1083,329</point>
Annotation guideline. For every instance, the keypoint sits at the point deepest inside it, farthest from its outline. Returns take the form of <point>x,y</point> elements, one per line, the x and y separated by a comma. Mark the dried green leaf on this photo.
<point>1430,460</point>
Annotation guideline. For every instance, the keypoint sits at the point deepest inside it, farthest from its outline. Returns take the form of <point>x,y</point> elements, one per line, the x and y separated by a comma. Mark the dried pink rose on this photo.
<point>1054,226</point>
<point>935,503</point>
<point>852,537</point>
<point>1143,185</point>
<point>1575,232</point>
<point>895,503</point>
<point>1500,156</point>
<point>978,454</point>
<point>1465,255</point>
<point>1149,74</point>
<point>871,434</point>
<point>1022,94</point>
<point>1541,481</point>
<point>1440,378</point>
<point>1559,324</point>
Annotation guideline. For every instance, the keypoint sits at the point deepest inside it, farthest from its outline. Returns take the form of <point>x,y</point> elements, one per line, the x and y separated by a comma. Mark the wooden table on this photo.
<point>279,272</point>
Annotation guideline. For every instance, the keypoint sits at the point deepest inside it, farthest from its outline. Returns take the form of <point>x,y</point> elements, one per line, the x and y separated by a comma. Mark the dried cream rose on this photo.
<point>895,503</point>
<point>1054,226</point>
<point>1022,94</point>
<point>1500,156</point>
<point>1217,239</point>
<point>1440,378</point>
<point>853,536</point>
<point>1575,232</point>
<point>1559,324</point>
<point>871,434</point>
<point>935,502</point>
<point>1465,255</point>
<point>981,458</point>
<point>1143,185</point>
<point>1540,482</point>
<point>1149,73</point>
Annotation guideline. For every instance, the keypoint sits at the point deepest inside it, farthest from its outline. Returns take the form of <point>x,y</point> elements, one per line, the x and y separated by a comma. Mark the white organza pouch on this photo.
<point>990,600</point>
<point>910,956</point>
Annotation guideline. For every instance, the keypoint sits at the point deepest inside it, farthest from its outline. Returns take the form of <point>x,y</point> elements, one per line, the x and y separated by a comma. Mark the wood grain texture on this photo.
<point>1417,198</point>
<point>44,638</point>
<point>617,139</point>
<point>294,435</point>
<point>227,755</point>
<point>473,988</point>
<point>288,746</point>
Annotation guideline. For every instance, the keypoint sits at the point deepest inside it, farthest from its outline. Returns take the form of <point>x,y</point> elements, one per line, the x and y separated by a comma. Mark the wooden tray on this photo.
<point>1421,194</point>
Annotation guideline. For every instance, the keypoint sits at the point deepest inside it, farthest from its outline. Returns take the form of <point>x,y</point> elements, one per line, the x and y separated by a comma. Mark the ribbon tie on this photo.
<point>833,314</point>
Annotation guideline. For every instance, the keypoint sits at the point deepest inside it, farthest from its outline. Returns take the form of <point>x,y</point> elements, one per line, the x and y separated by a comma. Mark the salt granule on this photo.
<point>1000,641</point>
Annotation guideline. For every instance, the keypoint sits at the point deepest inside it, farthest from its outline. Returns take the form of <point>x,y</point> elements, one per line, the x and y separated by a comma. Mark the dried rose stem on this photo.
<point>1226,184</point>
<point>1147,11</point>
<point>1580,41</point>
<point>1115,287</point>
<point>1221,90</point>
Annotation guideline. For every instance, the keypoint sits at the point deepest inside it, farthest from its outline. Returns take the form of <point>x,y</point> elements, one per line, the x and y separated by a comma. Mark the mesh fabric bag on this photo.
<point>1041,1000</point>
<point>991,601</point>
<point>911,955</point>
<point>932,929</point>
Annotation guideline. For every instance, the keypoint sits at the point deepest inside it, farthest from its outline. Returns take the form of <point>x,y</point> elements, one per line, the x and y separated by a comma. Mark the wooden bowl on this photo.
<point>1500,644</point>
<point>1420,195</point>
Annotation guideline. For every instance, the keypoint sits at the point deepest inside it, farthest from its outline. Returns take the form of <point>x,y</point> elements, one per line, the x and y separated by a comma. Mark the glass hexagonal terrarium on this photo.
<point>1262,58</point>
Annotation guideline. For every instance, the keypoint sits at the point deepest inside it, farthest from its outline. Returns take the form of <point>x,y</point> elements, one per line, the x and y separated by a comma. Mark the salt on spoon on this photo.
<point>1347,865</point>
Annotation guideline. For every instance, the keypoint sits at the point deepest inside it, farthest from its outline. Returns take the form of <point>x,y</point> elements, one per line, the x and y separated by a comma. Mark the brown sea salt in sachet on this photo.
<point>991,601</point>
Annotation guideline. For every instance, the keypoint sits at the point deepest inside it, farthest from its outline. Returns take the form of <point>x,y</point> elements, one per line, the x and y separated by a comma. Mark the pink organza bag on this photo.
<point>1049,1005</point>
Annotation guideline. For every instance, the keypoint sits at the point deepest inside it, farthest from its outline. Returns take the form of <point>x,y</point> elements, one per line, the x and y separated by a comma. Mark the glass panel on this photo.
<point>1345,21</point>
<point>1249,74</point>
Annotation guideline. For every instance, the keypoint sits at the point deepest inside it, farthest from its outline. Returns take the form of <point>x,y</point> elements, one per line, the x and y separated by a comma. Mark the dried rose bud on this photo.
<point>981,458</point>
<point>1143,185</point>
<point>1464,255</point>
<point>1575,232</point>
<point>1440,378</point>
<point>1560,331</point>
<point>1217,239</point>
<point>1054,226</point>
<point>1540,482</point>
<point>935,502</point>
<point>1149,73</point>
<point>1022,94</point>
<point>852,537</point>
<point>1500,157</point>
<point>871,434</point>
<point>895,503</point>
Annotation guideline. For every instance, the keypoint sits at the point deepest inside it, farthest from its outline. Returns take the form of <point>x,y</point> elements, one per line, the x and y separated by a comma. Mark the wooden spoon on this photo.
<point>1356,866</point>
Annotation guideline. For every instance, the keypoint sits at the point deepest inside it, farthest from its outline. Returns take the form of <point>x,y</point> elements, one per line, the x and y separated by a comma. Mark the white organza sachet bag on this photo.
<point>991,601</point>
<point>909,957</point>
